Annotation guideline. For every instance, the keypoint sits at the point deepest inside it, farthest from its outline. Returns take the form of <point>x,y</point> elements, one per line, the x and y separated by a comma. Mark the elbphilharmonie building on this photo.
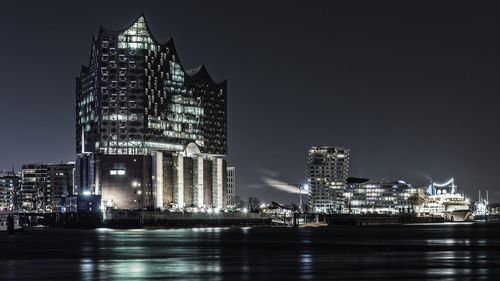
<point>149,133</point>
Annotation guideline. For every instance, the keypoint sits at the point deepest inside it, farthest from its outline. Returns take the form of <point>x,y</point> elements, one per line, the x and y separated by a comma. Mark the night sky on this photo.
<point>412,90</point>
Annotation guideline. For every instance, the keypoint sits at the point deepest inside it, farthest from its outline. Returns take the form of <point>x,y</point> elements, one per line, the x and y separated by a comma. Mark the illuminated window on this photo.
<point>120,172</point>
<point>136,37</point>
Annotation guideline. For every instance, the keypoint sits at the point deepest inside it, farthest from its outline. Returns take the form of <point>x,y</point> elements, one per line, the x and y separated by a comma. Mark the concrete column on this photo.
<point>179,180</point>
<point>217,173</point>
<point>157,169</point>
<point>198,182</point>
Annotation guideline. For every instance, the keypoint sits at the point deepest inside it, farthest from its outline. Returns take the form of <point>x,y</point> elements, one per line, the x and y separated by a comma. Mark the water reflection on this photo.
<point>460,260</point>
<point>247,254</point>
<point>429,252</point>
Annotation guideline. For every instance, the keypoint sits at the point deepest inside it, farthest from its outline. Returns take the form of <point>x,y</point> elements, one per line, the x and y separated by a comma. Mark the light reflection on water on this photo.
<point>426,252</point>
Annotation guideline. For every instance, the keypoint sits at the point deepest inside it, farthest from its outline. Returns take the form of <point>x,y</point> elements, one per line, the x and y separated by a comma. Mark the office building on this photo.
<point>382,197</point>
<point>327,169</point>
<point>150,134</point>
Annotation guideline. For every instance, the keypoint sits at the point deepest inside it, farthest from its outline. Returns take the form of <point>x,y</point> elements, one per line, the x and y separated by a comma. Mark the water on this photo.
<point>417,252</point>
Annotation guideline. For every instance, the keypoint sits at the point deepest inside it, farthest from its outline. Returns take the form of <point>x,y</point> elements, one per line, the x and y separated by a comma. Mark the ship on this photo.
<point>444,201</point>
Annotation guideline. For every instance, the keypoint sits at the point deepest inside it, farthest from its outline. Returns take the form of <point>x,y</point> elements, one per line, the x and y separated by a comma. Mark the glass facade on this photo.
<point>135,104</point>
<point>135,97</point>
<point>383,197</point>
<point>137,37</point>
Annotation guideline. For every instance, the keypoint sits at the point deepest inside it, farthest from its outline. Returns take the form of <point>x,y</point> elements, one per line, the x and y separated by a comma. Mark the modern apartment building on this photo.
<point>9,184</point>
<point>43,186</point>
<point>327,169</point>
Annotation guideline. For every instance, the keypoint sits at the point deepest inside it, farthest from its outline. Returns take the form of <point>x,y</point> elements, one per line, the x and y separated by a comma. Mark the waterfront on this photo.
<point>407,252</point>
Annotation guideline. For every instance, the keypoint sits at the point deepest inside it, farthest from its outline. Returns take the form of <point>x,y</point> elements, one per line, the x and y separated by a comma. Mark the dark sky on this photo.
<point>411,89</point>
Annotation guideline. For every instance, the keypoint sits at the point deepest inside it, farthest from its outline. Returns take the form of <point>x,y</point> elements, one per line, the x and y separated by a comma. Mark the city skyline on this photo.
<point>409,105</point>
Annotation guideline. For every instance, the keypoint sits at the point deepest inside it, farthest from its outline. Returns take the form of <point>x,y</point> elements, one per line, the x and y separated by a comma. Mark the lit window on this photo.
<point>120,172</point>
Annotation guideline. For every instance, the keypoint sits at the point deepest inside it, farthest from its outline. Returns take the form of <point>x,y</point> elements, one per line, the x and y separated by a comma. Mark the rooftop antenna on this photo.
<point>479,196</point>
<point>487,197</point>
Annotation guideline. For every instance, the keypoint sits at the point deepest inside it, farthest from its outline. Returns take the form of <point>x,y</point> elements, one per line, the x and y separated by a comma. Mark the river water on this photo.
<point>406,252</point>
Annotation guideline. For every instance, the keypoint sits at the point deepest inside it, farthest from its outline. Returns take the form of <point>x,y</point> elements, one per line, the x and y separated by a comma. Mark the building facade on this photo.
<point>60,182</point>
<point>35,190</point>
<point>150,134</point>
<point>44,185</point>
<point>231,187</point>
<point>382,197</point>
<point>327,169</point>
<point>10,184</point>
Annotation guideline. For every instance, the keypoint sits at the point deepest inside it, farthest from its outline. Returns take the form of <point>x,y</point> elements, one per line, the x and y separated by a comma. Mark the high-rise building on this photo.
<point>44,185</point>
<point>150,134</point>
<point>327,169</point>
<point>231,187</point>
<point>9,185</point>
